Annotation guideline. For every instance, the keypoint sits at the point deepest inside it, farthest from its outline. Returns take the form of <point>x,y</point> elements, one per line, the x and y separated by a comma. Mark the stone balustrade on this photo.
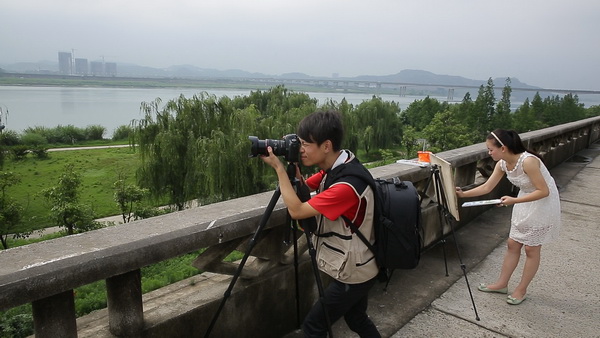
<point>45,274</point>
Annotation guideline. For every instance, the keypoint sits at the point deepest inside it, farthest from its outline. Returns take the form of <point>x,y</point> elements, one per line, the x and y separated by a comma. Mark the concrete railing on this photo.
<point>45,274</point>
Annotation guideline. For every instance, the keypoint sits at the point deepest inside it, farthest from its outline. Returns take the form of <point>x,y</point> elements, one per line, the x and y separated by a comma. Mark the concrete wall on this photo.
<point>263,300</point>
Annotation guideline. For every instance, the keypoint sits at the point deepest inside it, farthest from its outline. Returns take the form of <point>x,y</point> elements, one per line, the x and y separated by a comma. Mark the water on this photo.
<point>114,107</point>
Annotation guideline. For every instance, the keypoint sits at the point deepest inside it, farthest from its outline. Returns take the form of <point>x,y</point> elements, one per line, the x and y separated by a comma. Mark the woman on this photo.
<point>536,212</point>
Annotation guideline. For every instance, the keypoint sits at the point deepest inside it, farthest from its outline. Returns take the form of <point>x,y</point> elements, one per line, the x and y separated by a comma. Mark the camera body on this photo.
<point>288,147</point>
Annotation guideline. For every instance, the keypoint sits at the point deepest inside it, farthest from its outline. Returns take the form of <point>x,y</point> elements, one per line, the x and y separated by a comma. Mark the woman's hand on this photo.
<point>506,201</point>
<point>459,192</point>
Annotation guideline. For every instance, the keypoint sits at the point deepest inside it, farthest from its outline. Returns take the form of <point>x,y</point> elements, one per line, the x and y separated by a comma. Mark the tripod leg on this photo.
<point>443,209</point>
<point>437,185</point>
<point>251,244</point>
<point>313,257</point>
<point>295,239</point>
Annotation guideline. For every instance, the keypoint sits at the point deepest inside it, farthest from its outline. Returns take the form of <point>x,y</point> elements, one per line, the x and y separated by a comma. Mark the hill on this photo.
<point>412,76</point>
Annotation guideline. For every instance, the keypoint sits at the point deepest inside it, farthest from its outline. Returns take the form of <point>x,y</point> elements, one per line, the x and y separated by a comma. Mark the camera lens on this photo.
<point>289,147</point>
<point>257,146</point>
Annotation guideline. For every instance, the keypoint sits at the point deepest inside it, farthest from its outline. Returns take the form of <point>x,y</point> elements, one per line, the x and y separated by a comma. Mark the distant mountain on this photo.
<point>190,71</point>
<point>425,77</point>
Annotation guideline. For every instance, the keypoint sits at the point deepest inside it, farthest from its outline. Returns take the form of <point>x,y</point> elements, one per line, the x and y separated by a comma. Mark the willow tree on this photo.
<point>380,122</point>
<point>197,148</point>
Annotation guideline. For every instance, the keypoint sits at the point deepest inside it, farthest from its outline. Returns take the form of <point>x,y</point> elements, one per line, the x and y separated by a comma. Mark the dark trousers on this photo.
<point>347,300</point>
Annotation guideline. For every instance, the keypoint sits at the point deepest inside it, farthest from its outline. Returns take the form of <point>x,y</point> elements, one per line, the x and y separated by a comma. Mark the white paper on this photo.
<point>484,202</point>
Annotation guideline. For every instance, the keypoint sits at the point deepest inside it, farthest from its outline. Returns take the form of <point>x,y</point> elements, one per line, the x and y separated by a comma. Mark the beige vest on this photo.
<point>343,255</point>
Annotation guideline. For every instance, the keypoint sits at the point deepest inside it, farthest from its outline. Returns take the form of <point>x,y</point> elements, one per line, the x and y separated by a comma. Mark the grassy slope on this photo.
<point>98,168</point>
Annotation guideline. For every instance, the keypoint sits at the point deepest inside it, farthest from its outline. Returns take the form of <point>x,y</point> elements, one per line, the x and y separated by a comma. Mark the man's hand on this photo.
<point>272,160</point>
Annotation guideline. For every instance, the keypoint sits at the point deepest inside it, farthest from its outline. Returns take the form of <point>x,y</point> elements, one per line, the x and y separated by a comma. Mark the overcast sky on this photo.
<point>546,43</point>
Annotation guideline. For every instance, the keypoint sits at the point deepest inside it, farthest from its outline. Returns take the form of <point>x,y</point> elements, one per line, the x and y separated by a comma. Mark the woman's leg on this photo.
<point>532,263</point>
<point>511,260</point>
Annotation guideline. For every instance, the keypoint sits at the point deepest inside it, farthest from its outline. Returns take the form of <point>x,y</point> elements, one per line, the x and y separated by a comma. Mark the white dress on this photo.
<point>537,222</point>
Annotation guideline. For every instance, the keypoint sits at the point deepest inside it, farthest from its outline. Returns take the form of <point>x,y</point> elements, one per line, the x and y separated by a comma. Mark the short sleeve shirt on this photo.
<point>337,200</point>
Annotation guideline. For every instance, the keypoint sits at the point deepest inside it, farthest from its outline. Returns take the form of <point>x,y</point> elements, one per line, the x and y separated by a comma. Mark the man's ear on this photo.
<point>327,146</point>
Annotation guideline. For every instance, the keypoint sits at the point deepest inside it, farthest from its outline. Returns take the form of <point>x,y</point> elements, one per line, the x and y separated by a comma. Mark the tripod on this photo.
<point>308,226</point>
<point>445,216</point>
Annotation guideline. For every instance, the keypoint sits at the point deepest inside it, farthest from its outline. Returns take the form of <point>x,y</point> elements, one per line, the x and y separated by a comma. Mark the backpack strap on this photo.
<point>359,234</point>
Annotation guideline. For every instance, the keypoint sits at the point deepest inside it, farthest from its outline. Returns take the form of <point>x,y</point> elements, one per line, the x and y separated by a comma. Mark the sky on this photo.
<point>545,43</point>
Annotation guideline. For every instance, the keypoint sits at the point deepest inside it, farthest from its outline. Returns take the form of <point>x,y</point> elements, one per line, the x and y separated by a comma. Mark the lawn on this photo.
<point>99,170</point>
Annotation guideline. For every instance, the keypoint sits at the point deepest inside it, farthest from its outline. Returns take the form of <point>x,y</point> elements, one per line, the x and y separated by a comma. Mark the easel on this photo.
<point>308,226</point>
<point>446,217</point>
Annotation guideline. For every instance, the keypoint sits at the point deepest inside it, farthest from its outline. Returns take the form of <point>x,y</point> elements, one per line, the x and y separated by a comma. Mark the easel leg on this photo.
<point>446,218</point>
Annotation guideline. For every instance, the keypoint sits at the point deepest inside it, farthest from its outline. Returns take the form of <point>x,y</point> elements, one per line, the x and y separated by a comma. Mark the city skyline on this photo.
<point>68,64</point>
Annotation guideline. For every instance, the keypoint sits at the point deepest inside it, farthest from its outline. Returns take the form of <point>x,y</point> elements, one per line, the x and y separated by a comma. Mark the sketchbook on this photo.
<point>484,202</point>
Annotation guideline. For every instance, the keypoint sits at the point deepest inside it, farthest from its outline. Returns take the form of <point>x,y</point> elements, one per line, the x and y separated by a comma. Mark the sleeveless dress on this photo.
<point>537,222</point>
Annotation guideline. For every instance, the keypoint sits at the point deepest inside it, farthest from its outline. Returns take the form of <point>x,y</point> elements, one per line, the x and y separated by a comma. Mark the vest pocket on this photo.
<point>335,262</point>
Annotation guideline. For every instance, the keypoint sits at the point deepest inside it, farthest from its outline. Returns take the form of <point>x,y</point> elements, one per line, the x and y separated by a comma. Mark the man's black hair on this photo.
<point>321,126</point>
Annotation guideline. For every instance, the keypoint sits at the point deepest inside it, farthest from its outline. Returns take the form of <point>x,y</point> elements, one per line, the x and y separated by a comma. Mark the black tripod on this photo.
<point>445,216</point>
<point>308,226</point>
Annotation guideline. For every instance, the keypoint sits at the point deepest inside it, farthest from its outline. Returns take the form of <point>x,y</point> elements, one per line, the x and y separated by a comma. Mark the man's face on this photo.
<point>311,153</point>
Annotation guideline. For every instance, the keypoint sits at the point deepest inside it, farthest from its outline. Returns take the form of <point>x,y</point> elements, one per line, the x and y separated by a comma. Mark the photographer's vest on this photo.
<point>341,253</point>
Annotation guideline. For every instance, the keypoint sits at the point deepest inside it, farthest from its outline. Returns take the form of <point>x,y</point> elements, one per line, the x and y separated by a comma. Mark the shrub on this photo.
<point>16,322</point>
<point>40,152</point>
<point>9,138</point>
<point>122,133</point>
<point>94,132</point>
<point>69,134</point>
<point>19,151</point>
<point>33,139</point>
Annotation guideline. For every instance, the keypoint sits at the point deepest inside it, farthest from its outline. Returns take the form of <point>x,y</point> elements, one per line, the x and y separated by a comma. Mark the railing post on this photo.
<point>125,309</point>
<point>54,316</point>
<point>465,174</point>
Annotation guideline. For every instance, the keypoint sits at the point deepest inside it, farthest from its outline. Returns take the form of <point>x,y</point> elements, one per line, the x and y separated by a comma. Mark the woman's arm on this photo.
<point>486,187</point>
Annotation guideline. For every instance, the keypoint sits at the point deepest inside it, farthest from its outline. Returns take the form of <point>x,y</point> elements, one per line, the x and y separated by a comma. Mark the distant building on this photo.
<point>97,68</point>
<point>110,69</point>
<point>81,66</point>
<point>65,63</point>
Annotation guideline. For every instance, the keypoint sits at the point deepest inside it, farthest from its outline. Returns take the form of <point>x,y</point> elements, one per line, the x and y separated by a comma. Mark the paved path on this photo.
<point>87,148</point>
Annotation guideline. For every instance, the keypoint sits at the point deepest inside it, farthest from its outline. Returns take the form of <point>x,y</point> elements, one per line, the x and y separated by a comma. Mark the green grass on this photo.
<point>99,169</point>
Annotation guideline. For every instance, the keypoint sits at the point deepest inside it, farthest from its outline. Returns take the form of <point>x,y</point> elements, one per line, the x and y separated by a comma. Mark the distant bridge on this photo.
<point>316,82</point>
<point>339,83</point>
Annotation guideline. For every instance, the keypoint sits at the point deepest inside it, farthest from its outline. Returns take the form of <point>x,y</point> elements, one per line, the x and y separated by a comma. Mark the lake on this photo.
<point>114,107</point>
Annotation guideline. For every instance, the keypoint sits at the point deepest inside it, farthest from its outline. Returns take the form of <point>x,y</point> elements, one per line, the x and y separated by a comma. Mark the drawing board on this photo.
<point>447,184</point>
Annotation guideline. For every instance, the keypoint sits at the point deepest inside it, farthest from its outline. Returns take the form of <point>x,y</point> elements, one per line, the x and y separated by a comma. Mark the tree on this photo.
<point>10,211</point>
<point>445,132</point>
<point>420,113</point>
<point>197,148</point>
<point>503,117</point>
<point>128,198</point>
<point>537,110</point>
<point>484,111</point>
<point>524,119</point>
<point>409,141</point>
<point>380,123</point>
<point>66,210</point>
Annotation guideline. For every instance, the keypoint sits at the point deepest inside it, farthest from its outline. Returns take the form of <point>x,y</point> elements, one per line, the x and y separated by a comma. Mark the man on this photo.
<point>340,253</point>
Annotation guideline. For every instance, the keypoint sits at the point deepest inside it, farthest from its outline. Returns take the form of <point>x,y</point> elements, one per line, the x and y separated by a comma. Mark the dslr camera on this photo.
<point>288,147</point>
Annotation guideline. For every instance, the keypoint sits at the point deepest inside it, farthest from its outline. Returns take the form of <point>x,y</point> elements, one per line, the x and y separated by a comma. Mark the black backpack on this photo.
<point>397,225</point>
